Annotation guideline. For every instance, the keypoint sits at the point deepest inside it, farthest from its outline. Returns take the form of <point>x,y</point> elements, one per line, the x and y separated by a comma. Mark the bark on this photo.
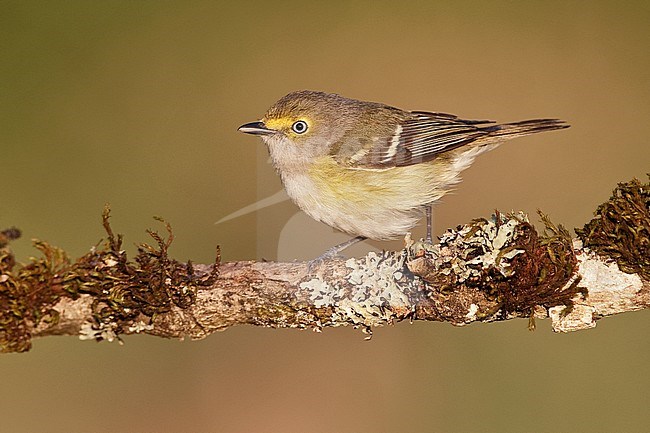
<point>488,270</point>
<point>287,295</point>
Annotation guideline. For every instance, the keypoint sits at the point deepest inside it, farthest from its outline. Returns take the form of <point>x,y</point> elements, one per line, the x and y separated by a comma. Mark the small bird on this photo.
<point>369,169</point>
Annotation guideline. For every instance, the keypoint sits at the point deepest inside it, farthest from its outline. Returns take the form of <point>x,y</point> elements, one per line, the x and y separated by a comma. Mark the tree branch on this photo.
<point>487,270</point>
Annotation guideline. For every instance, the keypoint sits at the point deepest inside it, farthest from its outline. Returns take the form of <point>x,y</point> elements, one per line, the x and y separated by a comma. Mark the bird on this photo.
<point>369,169</point>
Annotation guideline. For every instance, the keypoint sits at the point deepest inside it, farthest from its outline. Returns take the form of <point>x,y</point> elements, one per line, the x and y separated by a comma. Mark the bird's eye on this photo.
<point>299,127</point>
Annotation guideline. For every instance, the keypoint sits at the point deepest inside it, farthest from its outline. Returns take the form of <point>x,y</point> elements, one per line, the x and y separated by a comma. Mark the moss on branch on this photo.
<point>488,270</point>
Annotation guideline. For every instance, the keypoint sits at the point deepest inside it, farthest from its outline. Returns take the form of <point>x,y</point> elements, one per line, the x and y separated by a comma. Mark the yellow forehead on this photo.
<point>283,123</point>
<point>278,123</point>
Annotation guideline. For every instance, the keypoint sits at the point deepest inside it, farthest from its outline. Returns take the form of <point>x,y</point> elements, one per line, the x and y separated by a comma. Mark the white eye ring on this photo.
<point>299,127</point>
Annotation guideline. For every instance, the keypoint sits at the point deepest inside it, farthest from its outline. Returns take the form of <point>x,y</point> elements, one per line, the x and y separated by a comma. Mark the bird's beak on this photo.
<point>255,128</point>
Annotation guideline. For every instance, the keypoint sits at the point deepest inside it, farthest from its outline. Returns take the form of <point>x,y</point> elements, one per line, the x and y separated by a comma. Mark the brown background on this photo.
<point>137,104</point>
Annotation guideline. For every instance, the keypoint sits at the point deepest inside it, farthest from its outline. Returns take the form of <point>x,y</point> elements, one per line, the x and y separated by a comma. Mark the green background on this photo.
<point>136,103</point>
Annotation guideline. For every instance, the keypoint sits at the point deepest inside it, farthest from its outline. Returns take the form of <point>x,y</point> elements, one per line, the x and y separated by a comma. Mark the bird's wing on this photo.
<point>419,137</point>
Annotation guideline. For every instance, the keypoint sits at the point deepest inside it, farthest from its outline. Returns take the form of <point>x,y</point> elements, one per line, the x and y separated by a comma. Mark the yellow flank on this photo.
<point>379,187</point>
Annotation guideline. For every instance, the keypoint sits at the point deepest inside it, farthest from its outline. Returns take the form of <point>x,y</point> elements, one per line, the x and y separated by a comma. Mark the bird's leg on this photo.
<point>335,250</point>
<point>429,238</point>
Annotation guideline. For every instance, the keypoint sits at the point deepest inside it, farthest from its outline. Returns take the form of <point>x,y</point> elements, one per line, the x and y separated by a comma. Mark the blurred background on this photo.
<point>137,104</point>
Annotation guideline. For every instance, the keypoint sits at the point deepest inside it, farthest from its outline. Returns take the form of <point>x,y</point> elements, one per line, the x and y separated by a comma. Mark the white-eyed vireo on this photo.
<point>371,170</point>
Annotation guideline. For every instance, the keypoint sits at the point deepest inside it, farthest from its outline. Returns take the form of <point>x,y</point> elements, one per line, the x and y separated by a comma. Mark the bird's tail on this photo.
<point>525,127</point>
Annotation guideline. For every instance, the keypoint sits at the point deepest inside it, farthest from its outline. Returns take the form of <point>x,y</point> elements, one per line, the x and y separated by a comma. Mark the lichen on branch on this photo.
<point>488,270</point>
